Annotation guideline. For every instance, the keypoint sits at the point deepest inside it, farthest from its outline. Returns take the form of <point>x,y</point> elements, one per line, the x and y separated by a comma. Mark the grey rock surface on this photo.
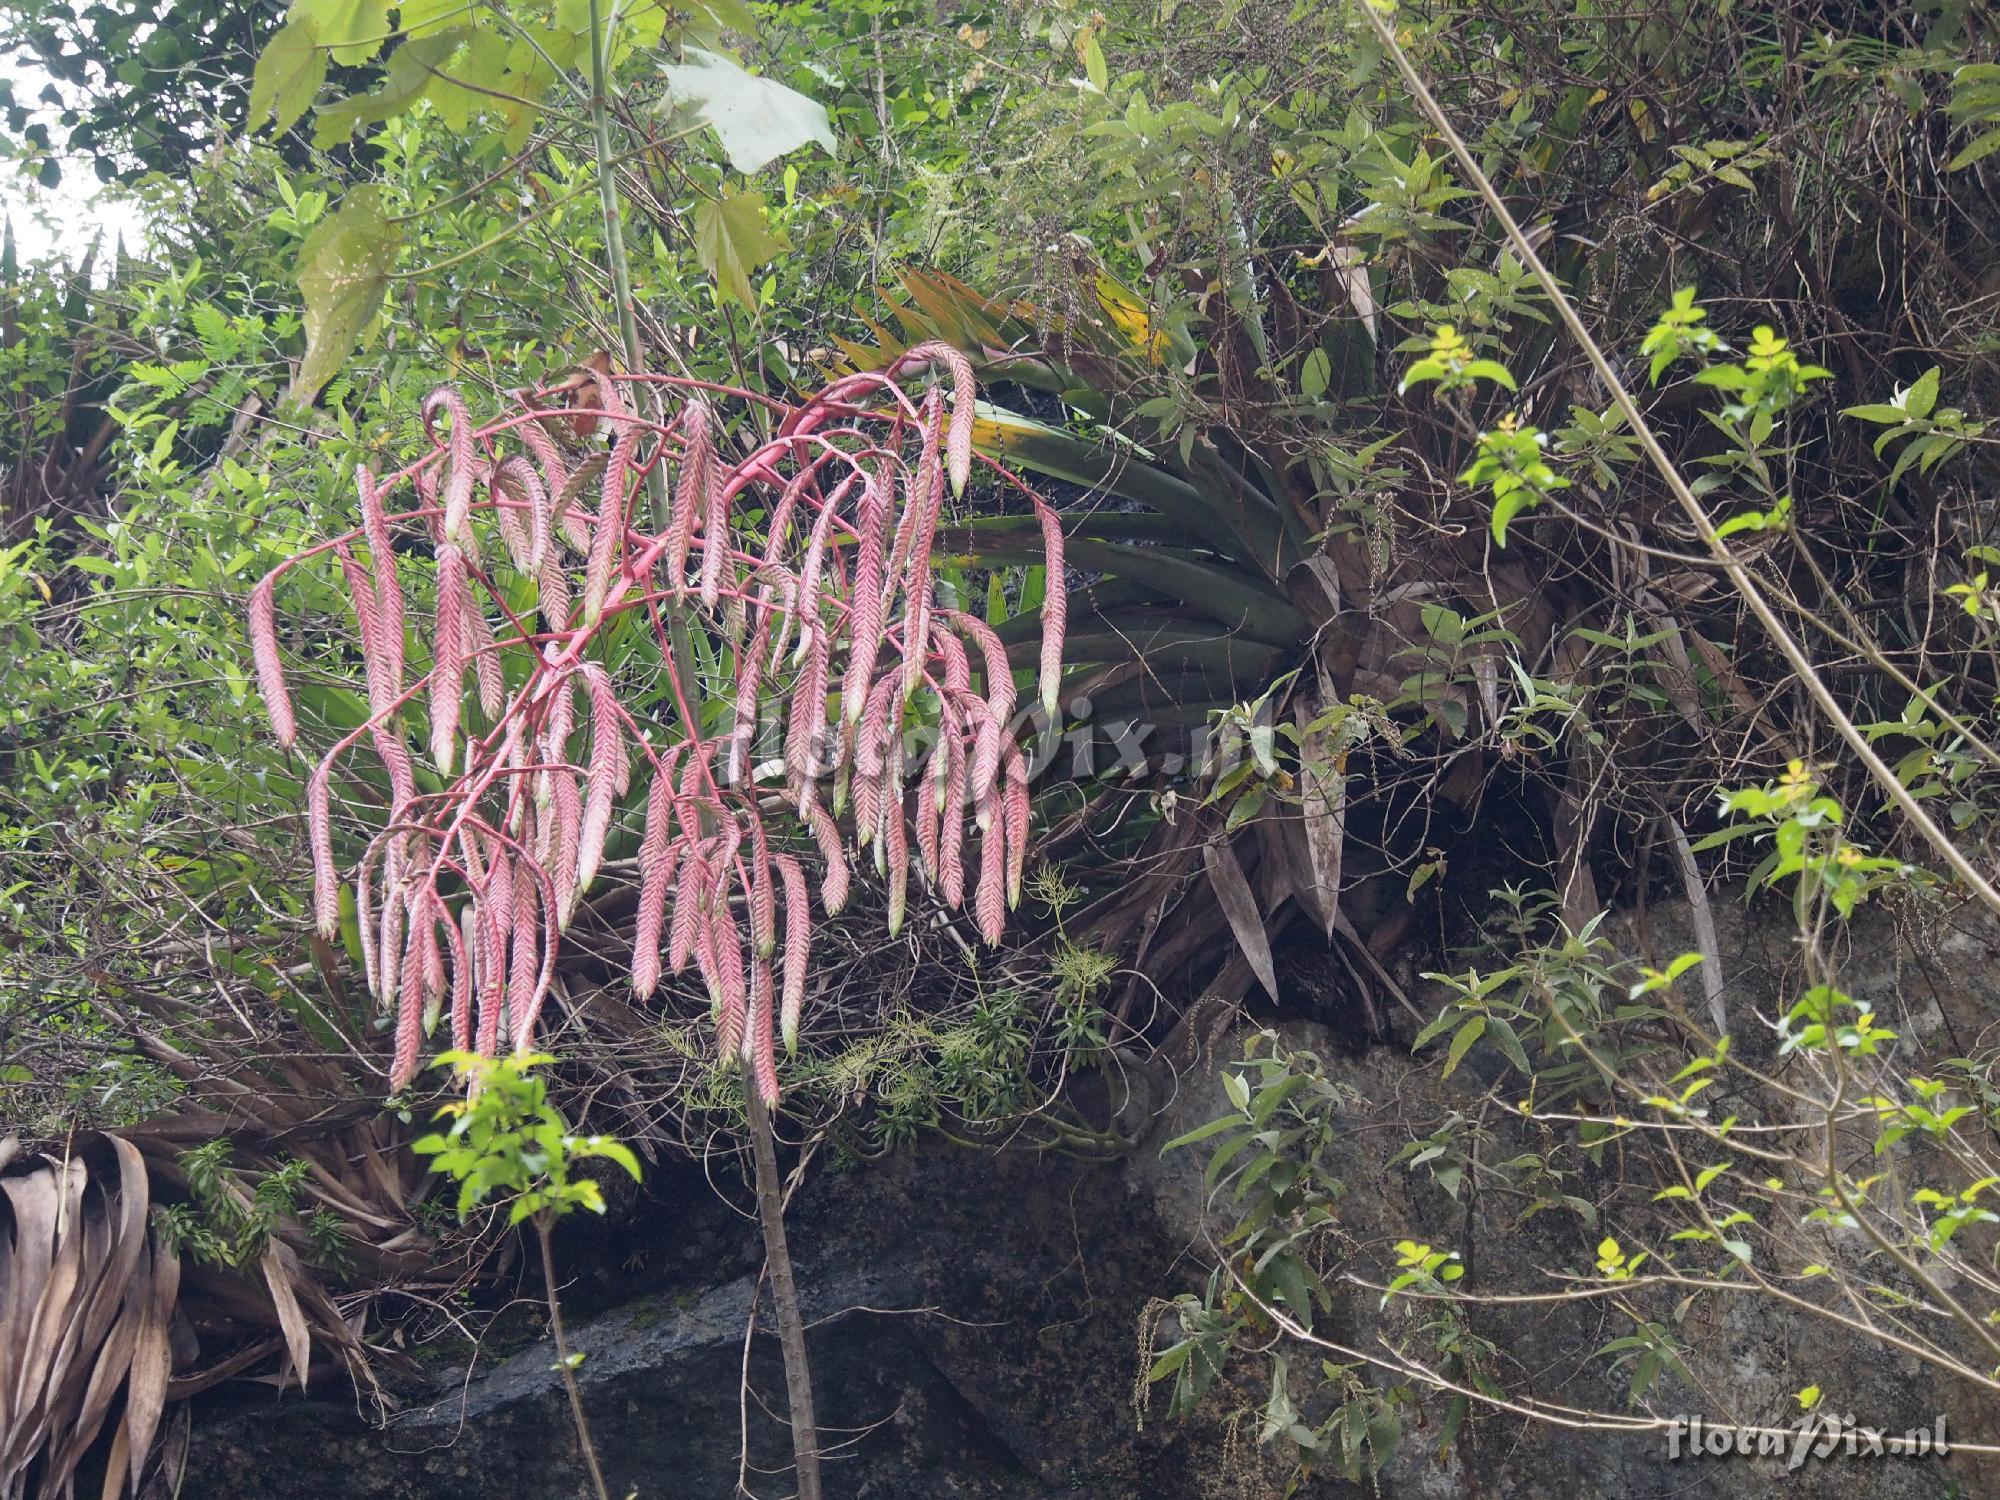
<point>975,1328</point>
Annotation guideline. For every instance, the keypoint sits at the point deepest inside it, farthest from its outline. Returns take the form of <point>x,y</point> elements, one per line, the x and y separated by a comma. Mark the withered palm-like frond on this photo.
<point>86,1293</point>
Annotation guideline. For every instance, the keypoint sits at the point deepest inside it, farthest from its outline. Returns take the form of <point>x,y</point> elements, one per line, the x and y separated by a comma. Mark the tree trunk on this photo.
<point>784,1296</point>
<point>563,1362</point>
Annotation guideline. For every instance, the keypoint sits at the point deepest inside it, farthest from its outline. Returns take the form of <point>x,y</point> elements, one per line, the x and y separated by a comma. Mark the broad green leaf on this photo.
<point>343,270</point>
<point>1093,61</point>
<point>289,72</point>
<point>731,240</point>
<point>757,119</point>
<point>1237,1089</point>
<point>1922,395</point>
<point>410,73</point>
<point>1314,374</point>
<point>352,30</point>
<point>455,93</point>
<point>416,17</point>
<point>1461,1043</point>
<point>1203,1132</point>
<point>1982,147</point>
<point>1509,1043</point>
<point>1505,508</point>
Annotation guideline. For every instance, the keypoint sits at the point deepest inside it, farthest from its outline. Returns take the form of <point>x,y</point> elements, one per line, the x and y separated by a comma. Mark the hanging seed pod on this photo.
<point>1014,812</point>
<point>688,897</point>
<point>382,624</point>
<point>1055,609</point>
<point>806,607</point>
<point>951,832</point>
<point>749,678</point>
<point>552,593</point>
<point>426,485</point>
<point>389,941</point>
<point>517,502</point>
<point>425,956</point>
<point>609,534</point>
<point>730,978</point>
<point>798,946</point>
<point>715,551</point>
<point>658,854</point>
<point>485,653</point>
<point>865,623</point>
<point>957,666</point>
<point>364,917</point>
<point>448,642</point>
<point>566,814</point>
<point>930,801</point>
<point>492,970</point>
<point>763,894</point>
<point>609,769</point>
<point>463,935</point>
<point>872,755</point>
<point>990,900</point>
<point>548,458</point>
<point>499,893</point>
<point>758,1049</point>
<point>897,850</point>
<point>964,394</point>
<point>805,732</point>
<point>524,1000</point>
<point>319,832</point>
<point>834,883</point>
<point>409,1028</point>
<point>964,398</point>
<point>368,627</point>
<point>926,501</point>
<point>780,522</point>
<point>461,469</point>
<point>991,721</point>
<point>571,511</point>
<point>697,478</point>
<point>270,671</point>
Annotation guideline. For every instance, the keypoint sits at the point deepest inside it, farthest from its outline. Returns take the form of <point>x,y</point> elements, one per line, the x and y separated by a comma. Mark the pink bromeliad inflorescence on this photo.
<point>462,897</point>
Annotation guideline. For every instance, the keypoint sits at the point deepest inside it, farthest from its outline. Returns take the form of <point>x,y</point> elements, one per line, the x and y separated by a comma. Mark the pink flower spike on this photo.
<point>270,671</point>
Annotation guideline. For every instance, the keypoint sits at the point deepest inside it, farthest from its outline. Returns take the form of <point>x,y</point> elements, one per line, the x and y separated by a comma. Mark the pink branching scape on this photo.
<point>827,609</point>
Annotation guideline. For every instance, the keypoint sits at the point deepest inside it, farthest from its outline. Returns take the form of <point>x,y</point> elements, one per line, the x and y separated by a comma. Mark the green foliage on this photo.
<point>1269,1155</point>
<point>506,1141</point>
<point>228,1223</point>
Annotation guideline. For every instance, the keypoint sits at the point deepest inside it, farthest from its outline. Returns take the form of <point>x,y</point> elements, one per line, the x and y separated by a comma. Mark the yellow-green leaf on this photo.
<point>343,270</point>
<point>1461,1043</point>
<point>352,30</point>
<point>455,92</point>
<point>290,70</point>
<point>411,71</point>
<point>419,16</point>
<point>731,240</point>
<point>1093,61</point>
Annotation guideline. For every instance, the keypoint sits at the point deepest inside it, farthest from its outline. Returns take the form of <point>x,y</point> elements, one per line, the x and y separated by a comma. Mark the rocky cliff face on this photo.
<point>975,1334</point>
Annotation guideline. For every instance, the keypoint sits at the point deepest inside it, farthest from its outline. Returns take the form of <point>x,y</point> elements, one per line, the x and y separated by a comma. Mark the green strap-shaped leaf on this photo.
<point>1025,443</point>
